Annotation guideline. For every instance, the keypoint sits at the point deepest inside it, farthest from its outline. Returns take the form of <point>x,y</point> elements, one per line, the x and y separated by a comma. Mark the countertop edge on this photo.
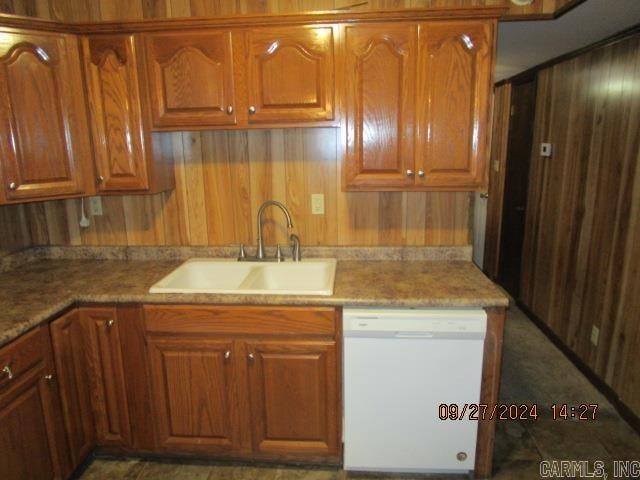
<point>51,312</point>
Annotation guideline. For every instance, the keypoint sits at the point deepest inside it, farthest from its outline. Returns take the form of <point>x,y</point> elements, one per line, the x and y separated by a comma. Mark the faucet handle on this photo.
<point>279,255</point>
<point>242,255</point>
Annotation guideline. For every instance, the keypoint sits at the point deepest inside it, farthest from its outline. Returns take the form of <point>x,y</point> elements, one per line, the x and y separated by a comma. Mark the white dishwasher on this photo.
<point>400,365</point>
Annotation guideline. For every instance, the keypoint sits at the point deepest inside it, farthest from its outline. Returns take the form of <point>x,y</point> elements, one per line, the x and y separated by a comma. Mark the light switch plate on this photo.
<point>317,203</point>
<point>545,149</point>
<point>95,206</point>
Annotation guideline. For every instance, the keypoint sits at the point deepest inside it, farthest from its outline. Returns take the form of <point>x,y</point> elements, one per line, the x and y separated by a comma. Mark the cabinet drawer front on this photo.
<point>189,319</point>
<point>21,356</point>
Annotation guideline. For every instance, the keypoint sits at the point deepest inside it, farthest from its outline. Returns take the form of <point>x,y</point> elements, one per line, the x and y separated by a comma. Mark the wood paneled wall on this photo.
<point>14,229</point>
<point>581,253</point>
<point>223,177</point>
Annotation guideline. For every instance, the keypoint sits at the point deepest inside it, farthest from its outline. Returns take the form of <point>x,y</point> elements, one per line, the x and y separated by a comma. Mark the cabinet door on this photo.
<point>194,392</point>
<point>293,391</point>
<point>112,82</point>
<point>44,144</point>
<point>32,441</point>
<point>456,59</point>
<point>290,74</point>
<point>70,360</point>
<point>106,370</point>
<point>190,77</point>
<point>379,78</point>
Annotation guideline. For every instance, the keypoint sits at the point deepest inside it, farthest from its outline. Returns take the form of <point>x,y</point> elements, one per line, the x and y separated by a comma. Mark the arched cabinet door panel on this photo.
<point>290,74</point>
<point>112,83</point>
<point>190,78</point>
<point>379,81</point>
<point>453,102</point>
<point>44,142</point>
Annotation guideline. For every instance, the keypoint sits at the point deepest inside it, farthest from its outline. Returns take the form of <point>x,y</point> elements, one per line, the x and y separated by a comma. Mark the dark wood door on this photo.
<point>106,376</point>
<point>194,394</point>
<point>190,77</point>
<point>516,186</point>
<point>379,76</point>
<point>456,60</point>
<point>290,74</point>
<point>68,340</point>
<point>44,143</point>
<point>293,391</point>
<point>116,113</point>
<point>32,440</point>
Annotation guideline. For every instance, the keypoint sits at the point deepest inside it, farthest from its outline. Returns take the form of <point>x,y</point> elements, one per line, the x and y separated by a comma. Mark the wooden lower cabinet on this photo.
<point>293,390</point>
<point>239,391</point>
<point>195,394</point>
<point>69,350</point>
<point>32,440</point>
<point>106,375</point>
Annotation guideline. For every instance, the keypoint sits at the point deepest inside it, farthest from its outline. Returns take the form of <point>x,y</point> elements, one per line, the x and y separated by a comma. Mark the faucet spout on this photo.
<point>260,249</point>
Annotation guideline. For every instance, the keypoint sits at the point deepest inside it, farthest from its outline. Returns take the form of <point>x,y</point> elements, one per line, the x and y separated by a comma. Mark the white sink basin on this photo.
<point>215,275</point>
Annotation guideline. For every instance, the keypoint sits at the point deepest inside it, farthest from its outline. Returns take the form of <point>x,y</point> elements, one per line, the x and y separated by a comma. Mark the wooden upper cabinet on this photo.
<point>44,143</point>
<point>190,77</point>
<point>379,81</point>
<point>290,74</point>
<point>453,103</point>
<point>116,115</point>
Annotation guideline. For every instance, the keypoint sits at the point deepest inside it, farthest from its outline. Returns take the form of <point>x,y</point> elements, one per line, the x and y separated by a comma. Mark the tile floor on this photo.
<point>534,371</point>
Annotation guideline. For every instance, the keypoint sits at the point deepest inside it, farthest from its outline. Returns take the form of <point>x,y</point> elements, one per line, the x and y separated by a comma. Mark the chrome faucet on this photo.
<point>260,249</point>
<point>295,247</point>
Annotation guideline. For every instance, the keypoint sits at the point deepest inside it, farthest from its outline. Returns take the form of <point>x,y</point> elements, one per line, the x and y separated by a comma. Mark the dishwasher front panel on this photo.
<point>393,387</point>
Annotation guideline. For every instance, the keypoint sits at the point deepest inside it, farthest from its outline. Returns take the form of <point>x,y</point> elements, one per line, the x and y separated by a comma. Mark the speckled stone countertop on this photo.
<point>41,289</point>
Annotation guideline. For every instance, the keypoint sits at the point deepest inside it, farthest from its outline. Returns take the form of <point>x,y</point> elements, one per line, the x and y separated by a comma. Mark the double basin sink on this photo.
<point>217,275</point>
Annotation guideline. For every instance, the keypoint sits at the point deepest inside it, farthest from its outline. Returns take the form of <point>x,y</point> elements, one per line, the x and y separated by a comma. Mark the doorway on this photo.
<point>516,183</point>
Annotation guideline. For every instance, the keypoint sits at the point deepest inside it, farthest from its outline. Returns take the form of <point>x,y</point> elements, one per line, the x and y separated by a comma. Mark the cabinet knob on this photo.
<point>49,378</point>
<point>7,370</point>
<point>409,173</point>
<point>230,109</point>
<point>110,323</point>
<point>100,179</point>
<point>484,195</point>
<point>252,357</point>
<point>227,355</point>
<point>13,186</point>
<point>252,109</point>
<point>421,173</point>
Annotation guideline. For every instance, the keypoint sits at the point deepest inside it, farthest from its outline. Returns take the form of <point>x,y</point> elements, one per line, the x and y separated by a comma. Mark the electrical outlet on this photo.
<point>95,206</point>
<point>595,335</point>
<point>317,203</point>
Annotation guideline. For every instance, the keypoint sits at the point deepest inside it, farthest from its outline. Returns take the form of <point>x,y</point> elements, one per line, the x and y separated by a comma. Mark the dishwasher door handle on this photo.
<point>414,335</point>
